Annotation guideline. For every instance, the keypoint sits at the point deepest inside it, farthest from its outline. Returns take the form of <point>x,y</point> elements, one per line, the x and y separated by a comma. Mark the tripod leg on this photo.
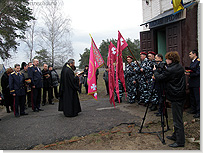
<point>140,130</point>
<point>167,123</point>
<point>162,124</point>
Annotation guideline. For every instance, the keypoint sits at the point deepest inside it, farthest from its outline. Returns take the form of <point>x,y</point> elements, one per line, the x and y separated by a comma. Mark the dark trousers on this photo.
<point>8,102</point>
<point>28,99</point>
<point>86,87</point>
<point>195,99</point>
<point>19,101</point>
<point>36,98</point>
<point>177,112</point>
<point>49,90</point>
<point>107,88</point>
<point>80,87</point>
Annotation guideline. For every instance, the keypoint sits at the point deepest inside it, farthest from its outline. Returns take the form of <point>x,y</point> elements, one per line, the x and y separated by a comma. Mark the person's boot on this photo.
<point>8,110</point>
<point>153,108</point>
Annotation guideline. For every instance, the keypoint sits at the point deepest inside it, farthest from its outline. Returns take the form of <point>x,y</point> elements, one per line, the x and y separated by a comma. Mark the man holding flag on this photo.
<point>95,61</point>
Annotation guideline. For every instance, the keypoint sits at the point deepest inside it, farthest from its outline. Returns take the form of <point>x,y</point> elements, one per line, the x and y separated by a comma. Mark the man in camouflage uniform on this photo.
<point>145,80</point>
<point>154,98</point>
<point>131,77</point>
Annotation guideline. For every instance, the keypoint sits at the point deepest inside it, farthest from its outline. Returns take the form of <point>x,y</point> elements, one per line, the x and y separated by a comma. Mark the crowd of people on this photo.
<point>150,82</point>
<point>153,81</point>
<point>21,87</point>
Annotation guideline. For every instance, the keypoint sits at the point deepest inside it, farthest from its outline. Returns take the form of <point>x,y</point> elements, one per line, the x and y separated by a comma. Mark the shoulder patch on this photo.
<point>198,59</point>
<point>13,73</point>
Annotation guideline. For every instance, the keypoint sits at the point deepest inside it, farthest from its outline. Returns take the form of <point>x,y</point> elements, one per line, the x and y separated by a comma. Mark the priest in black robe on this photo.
<point>69,100</point>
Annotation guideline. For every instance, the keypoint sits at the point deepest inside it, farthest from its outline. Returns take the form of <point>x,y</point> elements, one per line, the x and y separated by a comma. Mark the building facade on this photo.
<point>164,30</point>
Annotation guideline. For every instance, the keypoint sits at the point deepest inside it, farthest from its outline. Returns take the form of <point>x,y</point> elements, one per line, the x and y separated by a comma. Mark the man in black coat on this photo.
<point>47,85</point>
<point>8,99</point>
<point>194,83</point>
<point>175,92</point>
<point>34,72</point>
<point>85,75</point>
<point>69,100</point>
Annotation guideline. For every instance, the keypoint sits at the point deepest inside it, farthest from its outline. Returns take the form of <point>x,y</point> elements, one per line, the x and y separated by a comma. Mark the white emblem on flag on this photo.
<point>121,41</point>
<point>113,50</point>
<point>95,94</point>
<point>93,87</point>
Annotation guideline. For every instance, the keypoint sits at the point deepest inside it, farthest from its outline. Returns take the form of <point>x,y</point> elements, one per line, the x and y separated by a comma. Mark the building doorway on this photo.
<point>161,42</point>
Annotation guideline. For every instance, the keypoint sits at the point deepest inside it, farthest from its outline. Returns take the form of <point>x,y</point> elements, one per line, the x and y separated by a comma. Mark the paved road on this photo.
<point>50,125</point>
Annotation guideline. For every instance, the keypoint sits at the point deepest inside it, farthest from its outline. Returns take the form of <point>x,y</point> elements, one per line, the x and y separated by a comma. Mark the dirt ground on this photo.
<point>126,137</point>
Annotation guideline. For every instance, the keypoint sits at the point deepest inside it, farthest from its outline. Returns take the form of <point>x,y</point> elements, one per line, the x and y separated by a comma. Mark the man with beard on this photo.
<point>69,100</point>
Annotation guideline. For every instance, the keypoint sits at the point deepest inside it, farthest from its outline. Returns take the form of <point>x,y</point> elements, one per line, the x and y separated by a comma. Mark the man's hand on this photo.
<point>14,95</point>
<point>187,73</point>
<point>141,69</point>
<point>154,68</point>
<point>134,82</point>
<point>33,86</point>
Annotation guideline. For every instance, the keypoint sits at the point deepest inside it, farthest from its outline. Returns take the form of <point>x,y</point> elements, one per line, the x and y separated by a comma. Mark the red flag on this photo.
<point>111,72</point>
<point>121,45</point>
<point>95,61</point>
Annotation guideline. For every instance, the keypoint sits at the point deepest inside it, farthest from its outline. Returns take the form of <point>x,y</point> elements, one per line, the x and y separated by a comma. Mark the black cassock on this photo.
<point>69,100</point>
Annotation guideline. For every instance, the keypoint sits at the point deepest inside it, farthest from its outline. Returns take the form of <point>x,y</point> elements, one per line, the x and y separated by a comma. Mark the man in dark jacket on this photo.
<point>175,92</point>
<point>17,89</point>
<point>85,75</point>
<point>27,82</point>
<point>194,83</point>
<point>47,85</point>
<point>69,100</point>
<point>55,81</point>
<point>8,99</point>
<point>34,72</point>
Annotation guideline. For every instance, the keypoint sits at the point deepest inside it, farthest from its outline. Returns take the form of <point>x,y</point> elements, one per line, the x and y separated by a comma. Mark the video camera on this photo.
<point>160,65</point>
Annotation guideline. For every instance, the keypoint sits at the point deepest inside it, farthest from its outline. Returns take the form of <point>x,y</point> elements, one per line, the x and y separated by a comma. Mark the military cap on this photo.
<point>151,52</point>
<point>130,57</point>
<point>143,53</point>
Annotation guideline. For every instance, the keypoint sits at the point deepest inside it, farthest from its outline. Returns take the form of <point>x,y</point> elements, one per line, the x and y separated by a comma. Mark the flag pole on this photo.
<point>134,57</point>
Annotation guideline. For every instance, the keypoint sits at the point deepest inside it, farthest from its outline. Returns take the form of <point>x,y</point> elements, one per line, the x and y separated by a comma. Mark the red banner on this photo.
<point>111,80</point>
<point>121,45</point>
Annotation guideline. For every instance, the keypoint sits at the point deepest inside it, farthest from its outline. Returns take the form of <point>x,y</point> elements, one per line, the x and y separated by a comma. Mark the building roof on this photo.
<point>167,14</point>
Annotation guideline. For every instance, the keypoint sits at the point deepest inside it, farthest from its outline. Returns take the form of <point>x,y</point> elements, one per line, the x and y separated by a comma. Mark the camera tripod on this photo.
<point>163,113</point>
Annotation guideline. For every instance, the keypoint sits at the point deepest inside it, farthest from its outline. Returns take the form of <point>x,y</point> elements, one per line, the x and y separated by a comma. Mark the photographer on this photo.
<point>159,84</point>
<point>175,92</point>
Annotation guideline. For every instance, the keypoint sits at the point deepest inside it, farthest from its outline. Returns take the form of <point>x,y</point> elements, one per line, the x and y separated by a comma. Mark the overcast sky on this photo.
<point>101,18</point>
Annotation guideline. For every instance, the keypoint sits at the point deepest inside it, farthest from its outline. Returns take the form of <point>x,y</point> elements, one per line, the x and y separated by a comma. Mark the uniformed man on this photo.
<point>36,82</point>
<point>194,83</point>
<point>131,78</point>
<point>154,97</point>
<point>160,84</point>
<point>17,89</point>
<point>145,79</point>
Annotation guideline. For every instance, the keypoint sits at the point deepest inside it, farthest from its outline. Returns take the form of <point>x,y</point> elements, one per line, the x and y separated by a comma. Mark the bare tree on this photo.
<point>55,32</point>
<point>31,32</point>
